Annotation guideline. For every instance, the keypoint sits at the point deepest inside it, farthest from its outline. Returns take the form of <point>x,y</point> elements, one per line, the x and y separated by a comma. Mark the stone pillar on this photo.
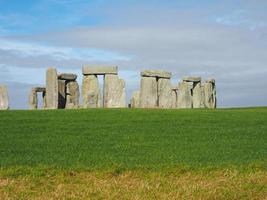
<point>174,97</point>
<point>135,100</point>
<point>196,95</point>
<point>210,94</point>
<point>33,100</point>
<point>114,92</point>
<point>61,94</point>
<point>148,92</point>
<point>4,101</point>
<point>72,95</point>
<point>184,99</point>
<point>91,91</point>
<point>164,93</point>
<point>51,89</point>
<point>44,99</point>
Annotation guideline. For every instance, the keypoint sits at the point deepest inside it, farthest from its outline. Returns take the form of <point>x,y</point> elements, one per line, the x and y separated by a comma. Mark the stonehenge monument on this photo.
<point>113,93</point>
<point>4,100</point>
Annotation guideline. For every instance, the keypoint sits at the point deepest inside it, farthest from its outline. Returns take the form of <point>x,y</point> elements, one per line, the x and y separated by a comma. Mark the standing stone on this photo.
<point>72,94</point>
<point>196,95</point>
<point>149,92</point>
<point>184,99</point>
<point>210,94</point>
<point>135,100</point>
<point>61,94</point>
<point>4,101</point>
<point>90,91</point>
<point>51,89</point>
<point>164,93</point>
<point>202,105</point>
<point>174,99</point>
<point>33,100</point>
<point>44,99</point>
<point>114,92</point>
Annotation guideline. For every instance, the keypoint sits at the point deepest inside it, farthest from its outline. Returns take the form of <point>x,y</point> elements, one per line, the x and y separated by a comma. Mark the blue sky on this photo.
<point>226,40</point>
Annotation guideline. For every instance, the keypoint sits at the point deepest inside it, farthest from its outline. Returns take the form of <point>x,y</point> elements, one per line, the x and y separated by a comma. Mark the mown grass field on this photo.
<point>134,154</point>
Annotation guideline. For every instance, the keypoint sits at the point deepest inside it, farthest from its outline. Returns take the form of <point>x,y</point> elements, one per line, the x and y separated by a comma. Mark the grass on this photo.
<point>134,154</point>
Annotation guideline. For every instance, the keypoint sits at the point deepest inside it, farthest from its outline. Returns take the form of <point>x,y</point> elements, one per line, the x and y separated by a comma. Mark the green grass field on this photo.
<point>223,152</point>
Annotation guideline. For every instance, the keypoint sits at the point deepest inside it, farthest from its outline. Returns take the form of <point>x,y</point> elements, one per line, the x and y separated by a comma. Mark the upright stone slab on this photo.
<point>61,94</point>
<point>90,91</point>
<point>4,101</point>
<point>51,89</point>
<point>72,95</point>
<point>114,92</point>
<point>184,99</point>
<point>148,92</point>
<point>33,100</point>
<point>164,93</point>
<point>210,94</point>
<point>202,105</point>
<point>44,100</point>
<point>135,100</point>
<point>174,98</point>
<point>197,95</point>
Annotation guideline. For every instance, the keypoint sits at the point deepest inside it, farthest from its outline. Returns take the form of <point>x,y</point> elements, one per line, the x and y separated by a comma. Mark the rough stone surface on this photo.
<point>33,100</point>
<point>174,99</point>
<point>202,97</point>
<point>114,92</point>
<point>91,92</point>
<point>100,70</point>
<point>44,100</point>
<point>67,77</point>
<point>4,101</point>
<point>51,89</point>
<point>164,93</point>
<point>135,100</point>
<point>210,95</point>
<point>184,99</point>
<point>156,73</point>
<point>72,95</point>
<point>39,89</point>
<point>192,79</point>
<point>197,95</point>
<point>61,94</point>
<point>148,92</point>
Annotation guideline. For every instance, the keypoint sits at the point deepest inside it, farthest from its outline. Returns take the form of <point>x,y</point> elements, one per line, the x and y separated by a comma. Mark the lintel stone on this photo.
<point>67,77</point>
<point>39,89</point>
<point>156,73</point>
<point>192,79</point>
<point>100,70</point>
<point>211,80</point>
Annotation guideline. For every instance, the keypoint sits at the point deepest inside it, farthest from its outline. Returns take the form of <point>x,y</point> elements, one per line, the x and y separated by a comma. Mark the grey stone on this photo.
<point>156,73</point>
<point>135,100</point>
<point>44,100</point>
<point>184,99</point>
<point>164,93</point>
<point>61,94</point>
<point>114,92</point>
<point>211,80</point>
<point>33,100</point>
<point>51,89</point>
<point>148,92</point>
<point>67,77</point>
<point>197,95</point>
<point>174,99</point>
<point>202,105</point>
<point>210,94</point>
<point>192,79</point>
<point>100,70</point>
<point>4,100</point>
<point>72,95</point>
<point>91,92</point>
<point>39,89</point>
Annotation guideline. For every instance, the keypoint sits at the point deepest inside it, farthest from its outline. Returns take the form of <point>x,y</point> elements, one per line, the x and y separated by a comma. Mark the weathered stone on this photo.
<point>202,105</point>
<point>33,100</point>
<point>164,93</point>
<point>61,94</point>
<point>156,73</point>
<point>101,70</point>
<point>4,100</point>
<point>91,91</point>
<point>44,100</point>
<point>197,95</point>
<point>67,77</point>
<point>51,89</point>
<point>39,89</point>
<point>72,95</point>
<point>210,94</point>
<point>149,92</point>
<point>114,92</point>
<point>184,99</point>
<point>192,79</point>
<point>211,80</point>
<point>174,99</point>
<point>135,100</point>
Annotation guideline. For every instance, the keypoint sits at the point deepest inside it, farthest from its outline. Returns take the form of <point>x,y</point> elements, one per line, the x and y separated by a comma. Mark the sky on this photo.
<point>221,39</point>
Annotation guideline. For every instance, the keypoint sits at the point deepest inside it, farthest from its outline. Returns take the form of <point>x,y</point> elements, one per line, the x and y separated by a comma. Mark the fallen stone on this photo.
<point>192,79</point>
<point>164,93</point>
<point>184,99</point>
<point>156,73</point>
<point>72,95</point>
<point>91,91</point>
<point>33,100</point>
<point>101,70</point>
<point>67,77</point>
<point>148,92</point>
<point>114,92</point>
<point>51,89</point>
<point>61,94</point>
<point>135,100</point>
<point>4,101</point>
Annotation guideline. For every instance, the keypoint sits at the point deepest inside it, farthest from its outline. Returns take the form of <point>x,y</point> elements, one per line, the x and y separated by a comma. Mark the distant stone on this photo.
<point>51,89</point>
<point>197,98</point>
<point>192,79</point>
<point>210,94</point>
<point>68,77</point>
<point>135,100</point>
<point>148,92</point>
<point>101,70</point>
<point>4,100</point>
<point>72,95</point>
<point>174,99</point>
<point>61,94</point>
<point>156,73</point>
<point>211,80</point>
<point>33,100</point>
<point>39,89</point>
<point>184,99</point>
<point>164,93</point>
<point>91,92</point>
